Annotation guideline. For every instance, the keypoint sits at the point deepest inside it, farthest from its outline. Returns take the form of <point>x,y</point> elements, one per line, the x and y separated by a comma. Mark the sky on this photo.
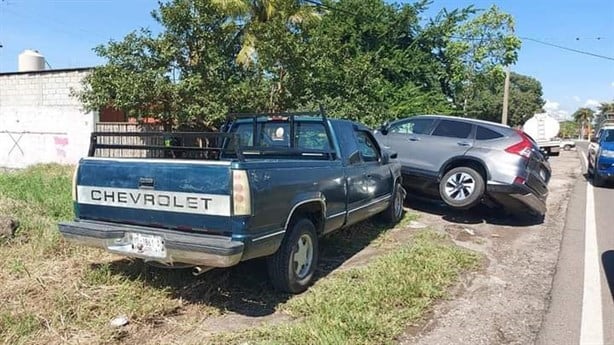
<point>65,31</point>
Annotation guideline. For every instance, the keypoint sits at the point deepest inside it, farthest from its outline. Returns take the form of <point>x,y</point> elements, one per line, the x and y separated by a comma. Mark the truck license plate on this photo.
<point>147,245</point>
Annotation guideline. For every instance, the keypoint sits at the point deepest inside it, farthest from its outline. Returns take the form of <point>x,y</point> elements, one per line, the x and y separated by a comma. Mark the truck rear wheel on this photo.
<point>292,267</point>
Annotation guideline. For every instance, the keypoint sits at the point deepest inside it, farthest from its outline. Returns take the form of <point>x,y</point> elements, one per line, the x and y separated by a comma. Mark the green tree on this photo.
<point>477,50</point>
<point>366,60</point>
<point>184,76</point>
<point>525,99</point>
<point>584,117</point>
<point>569,129</point>
<point>273,40</point>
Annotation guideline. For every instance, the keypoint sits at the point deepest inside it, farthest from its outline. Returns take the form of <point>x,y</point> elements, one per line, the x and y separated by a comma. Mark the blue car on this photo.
<point>601,158</point>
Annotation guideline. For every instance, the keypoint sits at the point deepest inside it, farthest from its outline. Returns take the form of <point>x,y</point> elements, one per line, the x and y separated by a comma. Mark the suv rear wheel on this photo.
<point>462,187</point>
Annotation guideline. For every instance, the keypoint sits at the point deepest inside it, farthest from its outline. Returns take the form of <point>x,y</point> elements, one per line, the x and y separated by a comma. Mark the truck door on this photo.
<point>369,182</point>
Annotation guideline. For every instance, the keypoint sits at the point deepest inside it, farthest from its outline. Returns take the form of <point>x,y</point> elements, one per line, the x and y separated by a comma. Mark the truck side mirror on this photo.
<point>387,156</point>
<point>384,128</point>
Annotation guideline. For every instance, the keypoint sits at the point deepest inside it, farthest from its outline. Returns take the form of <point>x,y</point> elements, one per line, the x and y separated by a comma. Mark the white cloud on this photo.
<point>612,84</point>
<point>577,99</point>
<point>592,103</point>
<point>553,109</point>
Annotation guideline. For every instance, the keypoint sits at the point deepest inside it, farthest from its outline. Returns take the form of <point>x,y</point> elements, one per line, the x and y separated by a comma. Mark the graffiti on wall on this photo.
<point>60,141</point>
<point>60,145</point>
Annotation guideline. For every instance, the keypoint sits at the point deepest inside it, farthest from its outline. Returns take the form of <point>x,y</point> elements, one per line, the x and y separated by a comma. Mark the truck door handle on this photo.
<point>413,139</point>
<point>146,183</point>
<point>462,143</point>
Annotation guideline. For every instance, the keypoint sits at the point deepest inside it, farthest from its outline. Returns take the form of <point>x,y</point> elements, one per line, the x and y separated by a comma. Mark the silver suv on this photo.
<point>470,161</point>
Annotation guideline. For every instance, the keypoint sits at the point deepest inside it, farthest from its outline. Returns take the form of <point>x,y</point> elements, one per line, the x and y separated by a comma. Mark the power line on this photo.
<point>321,5</point>
<point>567,48</point>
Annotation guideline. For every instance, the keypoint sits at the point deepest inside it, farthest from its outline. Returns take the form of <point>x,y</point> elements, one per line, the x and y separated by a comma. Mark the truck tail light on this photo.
<point>241,194</point>
<point>522,148</point>
<point>74,183</point>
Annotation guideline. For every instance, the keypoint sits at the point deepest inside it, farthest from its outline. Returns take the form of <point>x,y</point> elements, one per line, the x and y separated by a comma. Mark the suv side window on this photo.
<point>367,147</point>
<point>415,126</point>
<point>483,133</point>
<point>453,129</point>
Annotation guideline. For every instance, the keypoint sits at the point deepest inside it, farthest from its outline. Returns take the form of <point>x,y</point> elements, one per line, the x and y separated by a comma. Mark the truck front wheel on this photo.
<point>394,212</point>
<point>292,267</point>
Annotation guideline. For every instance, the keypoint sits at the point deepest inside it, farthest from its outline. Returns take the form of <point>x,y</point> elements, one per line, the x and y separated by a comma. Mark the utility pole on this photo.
<point>506,95</point>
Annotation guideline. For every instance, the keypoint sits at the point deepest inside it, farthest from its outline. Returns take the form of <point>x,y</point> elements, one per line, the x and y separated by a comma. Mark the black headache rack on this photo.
<point>170,145</point>
<point>215,145</point>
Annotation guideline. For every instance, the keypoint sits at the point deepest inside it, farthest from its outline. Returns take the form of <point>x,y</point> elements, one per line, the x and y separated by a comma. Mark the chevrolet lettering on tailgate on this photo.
<point>218,205</point>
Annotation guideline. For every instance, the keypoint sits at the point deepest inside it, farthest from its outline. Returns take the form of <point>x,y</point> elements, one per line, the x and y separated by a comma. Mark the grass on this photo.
<point>372,304</point>
<point>51,292</point>
<point>55,293</point>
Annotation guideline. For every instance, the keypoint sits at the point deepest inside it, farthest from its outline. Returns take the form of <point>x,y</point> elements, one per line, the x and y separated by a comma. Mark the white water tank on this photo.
<point>542,127</point>
<point>31,60</point>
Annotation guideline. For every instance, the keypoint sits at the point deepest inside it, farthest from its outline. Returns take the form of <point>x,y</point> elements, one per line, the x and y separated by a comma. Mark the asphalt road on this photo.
<point>581,308</point>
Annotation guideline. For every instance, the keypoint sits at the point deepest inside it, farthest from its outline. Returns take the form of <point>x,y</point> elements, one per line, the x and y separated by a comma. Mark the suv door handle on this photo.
<point>413,139</point>
<point>463,143</point>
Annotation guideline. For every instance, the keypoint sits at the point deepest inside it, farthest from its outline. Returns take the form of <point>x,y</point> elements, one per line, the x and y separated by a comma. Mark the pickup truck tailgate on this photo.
<point>180,195</point>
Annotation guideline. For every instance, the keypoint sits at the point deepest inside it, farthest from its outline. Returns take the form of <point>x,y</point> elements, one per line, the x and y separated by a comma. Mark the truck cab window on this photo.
<point>367,147</point>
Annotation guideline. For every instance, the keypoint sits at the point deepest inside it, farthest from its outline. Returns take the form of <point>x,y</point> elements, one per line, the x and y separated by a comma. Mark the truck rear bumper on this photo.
<point>173,247</point>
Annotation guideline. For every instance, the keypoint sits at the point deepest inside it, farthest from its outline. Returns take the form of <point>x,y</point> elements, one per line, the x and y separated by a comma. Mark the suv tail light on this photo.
<point>241,194</point>
<point>522,148</point>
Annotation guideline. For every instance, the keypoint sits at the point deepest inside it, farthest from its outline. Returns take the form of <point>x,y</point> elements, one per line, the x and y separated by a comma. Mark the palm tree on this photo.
<point>606,112</point>
<point>250,13</point>
<point>584,116</point>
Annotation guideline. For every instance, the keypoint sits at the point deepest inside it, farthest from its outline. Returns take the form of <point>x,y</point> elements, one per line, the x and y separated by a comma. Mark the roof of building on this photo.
<point>49,71</point>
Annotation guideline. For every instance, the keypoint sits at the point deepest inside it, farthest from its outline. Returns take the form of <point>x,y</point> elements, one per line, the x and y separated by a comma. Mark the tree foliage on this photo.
<point>366,60</point>
<point>569,129</point>
<point>584,117</point>
<point>525,99</point>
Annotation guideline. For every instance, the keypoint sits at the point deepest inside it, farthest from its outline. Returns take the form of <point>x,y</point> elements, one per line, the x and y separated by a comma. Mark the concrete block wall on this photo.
<point>40,122</point>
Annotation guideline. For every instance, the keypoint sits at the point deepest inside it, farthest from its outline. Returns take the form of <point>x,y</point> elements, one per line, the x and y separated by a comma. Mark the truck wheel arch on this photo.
<point>312,208</point>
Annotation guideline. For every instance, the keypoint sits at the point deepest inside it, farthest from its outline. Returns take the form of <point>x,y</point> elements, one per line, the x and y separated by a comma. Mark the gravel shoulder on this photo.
<point>505,302</point>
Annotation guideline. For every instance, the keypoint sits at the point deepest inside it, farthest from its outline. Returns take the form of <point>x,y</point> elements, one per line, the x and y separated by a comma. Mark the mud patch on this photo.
<point>505,303</point>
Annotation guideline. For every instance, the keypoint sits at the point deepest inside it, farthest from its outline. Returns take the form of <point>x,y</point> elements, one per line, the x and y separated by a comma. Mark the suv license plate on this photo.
<point>147,245</point>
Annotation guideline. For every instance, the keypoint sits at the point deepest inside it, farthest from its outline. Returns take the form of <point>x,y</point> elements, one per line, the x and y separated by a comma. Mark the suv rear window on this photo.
<point>484,133</point>
<point>453,129</point>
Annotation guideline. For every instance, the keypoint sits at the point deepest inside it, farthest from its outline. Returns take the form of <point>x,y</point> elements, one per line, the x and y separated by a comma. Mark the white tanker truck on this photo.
<point>544,129</point>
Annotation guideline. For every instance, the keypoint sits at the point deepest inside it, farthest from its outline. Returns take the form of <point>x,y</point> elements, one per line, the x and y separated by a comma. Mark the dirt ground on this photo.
<point>504,303</point>
<point>501,304</point>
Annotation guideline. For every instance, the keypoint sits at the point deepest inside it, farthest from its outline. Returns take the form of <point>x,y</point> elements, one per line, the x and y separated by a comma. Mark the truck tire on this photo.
<point>567,147</point>
<point>292,267</point>
<point>394,212</point>
<point>462,187</point>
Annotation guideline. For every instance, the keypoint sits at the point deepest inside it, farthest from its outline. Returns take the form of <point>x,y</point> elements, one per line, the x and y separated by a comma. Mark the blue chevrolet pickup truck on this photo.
<point>267,186</point>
